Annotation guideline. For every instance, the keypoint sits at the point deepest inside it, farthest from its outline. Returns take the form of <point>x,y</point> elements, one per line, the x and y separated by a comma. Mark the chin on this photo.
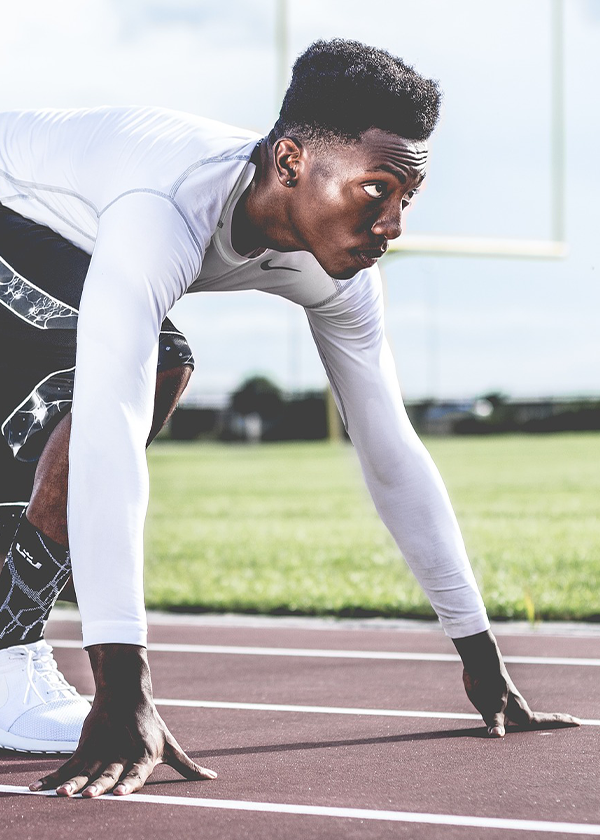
<point>344,274</point>
<point>337,272</point>
<point>338,263</point>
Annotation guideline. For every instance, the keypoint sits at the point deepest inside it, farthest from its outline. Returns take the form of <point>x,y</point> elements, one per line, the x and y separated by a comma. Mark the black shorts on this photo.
<point>41,280</point>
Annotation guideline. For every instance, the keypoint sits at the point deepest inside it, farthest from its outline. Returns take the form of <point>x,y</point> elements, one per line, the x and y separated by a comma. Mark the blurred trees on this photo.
<point>258,395</point>
<point>259,410</point>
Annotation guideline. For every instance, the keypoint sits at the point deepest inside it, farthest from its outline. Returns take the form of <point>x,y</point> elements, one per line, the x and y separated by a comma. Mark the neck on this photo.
<point>260,219</point>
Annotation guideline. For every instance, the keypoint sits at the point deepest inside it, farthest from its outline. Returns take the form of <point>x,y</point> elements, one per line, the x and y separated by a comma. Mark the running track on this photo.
<point>338,730</point>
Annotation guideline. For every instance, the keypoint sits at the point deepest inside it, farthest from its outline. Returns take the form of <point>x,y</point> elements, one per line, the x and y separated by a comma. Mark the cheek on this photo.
<point>332,214</point>
<point>325,214</point>
<point>340,211</point>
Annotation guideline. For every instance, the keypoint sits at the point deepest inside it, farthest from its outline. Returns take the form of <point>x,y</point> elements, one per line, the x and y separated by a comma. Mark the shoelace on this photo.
<point>41,664</point>
<point>46,666</point>
<point>30,678</point>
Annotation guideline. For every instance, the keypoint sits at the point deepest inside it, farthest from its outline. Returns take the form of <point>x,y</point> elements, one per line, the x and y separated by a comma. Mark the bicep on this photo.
<point>141,265</point>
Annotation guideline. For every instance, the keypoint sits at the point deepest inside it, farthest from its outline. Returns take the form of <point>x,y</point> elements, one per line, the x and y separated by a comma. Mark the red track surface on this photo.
<point>393,764</point>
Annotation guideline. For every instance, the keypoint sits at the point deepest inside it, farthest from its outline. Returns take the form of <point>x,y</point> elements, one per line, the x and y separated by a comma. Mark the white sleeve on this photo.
<point>143,261</point>
<point>403,481</point>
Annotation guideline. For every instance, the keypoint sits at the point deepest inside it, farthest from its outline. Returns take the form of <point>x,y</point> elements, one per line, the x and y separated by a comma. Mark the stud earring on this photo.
<point>289,183</point>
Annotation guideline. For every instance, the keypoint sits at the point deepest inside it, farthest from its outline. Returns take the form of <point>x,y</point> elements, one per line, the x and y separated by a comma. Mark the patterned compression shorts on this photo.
<point>41,280</point>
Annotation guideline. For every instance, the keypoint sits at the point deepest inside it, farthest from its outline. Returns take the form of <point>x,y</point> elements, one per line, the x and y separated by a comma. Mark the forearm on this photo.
<point>107,501</point>
<point>412,501</point>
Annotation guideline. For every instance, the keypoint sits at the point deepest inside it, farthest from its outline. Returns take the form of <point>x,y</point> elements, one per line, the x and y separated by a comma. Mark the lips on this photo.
<point>368,257</point>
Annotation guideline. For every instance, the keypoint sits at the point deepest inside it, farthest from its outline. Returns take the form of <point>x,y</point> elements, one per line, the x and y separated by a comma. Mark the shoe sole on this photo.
<point>15,743</point>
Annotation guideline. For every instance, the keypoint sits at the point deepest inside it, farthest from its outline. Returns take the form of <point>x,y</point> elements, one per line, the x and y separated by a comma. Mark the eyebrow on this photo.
<point>397,173</point>
<point>384,167</point>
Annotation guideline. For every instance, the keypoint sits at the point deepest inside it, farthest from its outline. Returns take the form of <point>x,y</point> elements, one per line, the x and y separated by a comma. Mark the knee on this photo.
<point>47,509</point>
<point>170,385</point>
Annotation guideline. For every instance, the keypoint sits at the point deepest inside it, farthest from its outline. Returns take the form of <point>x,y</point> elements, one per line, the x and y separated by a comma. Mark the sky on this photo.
<point>459,327</point>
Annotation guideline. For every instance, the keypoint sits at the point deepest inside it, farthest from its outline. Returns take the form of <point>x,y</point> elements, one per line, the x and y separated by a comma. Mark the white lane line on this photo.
<point>588,829</point>
<point>324,710</point>
<point>241,650</point>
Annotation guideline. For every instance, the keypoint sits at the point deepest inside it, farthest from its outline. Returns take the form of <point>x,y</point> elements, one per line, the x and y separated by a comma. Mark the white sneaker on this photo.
<point>39,711</point>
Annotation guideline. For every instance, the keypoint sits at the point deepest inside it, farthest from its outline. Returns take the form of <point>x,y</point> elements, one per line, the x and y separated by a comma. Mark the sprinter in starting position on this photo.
<point>108,217</point>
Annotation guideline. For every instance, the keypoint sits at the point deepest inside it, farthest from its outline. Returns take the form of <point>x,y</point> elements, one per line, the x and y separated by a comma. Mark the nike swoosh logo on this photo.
<point>266,267</point>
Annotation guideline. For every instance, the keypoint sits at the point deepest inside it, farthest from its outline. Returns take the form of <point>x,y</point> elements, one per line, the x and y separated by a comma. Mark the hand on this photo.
<point>123,737</point>
<point>493,693</point>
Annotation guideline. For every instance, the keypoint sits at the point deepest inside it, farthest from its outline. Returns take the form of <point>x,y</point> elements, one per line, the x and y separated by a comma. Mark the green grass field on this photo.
<point>289,528</point>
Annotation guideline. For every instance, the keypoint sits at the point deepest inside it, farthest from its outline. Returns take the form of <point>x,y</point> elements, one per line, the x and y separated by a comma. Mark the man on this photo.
<point>168,204</point>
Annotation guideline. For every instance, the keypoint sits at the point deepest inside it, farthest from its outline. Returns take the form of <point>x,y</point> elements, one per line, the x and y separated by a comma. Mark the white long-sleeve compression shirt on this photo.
<point>150,194</point>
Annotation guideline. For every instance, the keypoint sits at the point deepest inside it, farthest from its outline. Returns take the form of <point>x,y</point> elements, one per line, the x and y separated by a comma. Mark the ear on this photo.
<point>288,158</point>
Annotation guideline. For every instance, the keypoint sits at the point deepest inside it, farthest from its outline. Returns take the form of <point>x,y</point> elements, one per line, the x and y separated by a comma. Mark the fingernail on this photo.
<point>66,789</point>
<point>120,790</point>
<point>36,786</point>
<point>90,791</point>
<point>496,731</point>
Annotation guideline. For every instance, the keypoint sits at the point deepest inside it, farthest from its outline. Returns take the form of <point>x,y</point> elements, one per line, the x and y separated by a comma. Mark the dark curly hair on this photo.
<point>341,88</point>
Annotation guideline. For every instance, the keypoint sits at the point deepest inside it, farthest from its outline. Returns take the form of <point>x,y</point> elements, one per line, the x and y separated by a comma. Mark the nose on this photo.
<point>389,224</point>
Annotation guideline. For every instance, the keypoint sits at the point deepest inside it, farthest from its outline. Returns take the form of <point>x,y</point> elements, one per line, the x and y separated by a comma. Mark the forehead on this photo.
<point>379,150</point>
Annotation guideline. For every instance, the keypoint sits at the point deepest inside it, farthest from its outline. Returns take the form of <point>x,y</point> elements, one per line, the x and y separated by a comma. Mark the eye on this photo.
<point>409,197</point>
<point>375,190</point>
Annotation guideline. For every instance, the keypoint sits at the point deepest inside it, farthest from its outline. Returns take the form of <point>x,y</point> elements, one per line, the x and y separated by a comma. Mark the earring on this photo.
<point>289,183</point>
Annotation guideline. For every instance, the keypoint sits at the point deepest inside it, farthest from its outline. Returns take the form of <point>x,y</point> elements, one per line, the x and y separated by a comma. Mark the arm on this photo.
<point>402,479</point>
<point>137,272</point>
<point>411,498</point>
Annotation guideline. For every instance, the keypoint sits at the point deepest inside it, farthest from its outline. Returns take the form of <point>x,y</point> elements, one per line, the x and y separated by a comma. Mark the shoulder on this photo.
<point>360,295</point>
<point>354,316</point>
<point>141,141</point>
<point>133,119</point>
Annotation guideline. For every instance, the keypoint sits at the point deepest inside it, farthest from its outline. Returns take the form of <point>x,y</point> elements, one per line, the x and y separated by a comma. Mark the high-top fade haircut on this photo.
<point>341,88</point>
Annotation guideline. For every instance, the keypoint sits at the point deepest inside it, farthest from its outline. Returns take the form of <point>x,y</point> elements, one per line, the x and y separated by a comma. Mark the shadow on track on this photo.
<point>479,732</point>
